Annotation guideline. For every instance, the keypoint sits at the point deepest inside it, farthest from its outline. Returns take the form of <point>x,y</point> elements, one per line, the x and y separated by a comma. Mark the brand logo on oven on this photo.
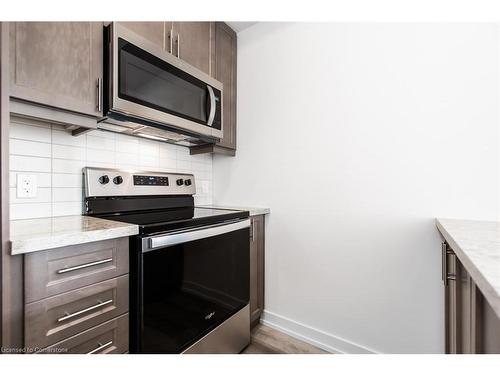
<point>210,316</point>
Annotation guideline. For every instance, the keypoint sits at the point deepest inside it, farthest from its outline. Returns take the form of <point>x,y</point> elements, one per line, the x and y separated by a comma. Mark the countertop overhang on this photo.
<point>477,245</point>
<point>48,233</point>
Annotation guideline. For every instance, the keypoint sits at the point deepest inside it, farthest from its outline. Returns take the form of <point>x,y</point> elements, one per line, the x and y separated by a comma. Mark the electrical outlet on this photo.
<point>26,186</point>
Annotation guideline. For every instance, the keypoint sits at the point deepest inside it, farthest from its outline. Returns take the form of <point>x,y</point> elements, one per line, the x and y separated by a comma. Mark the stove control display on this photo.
<point>150,180</point>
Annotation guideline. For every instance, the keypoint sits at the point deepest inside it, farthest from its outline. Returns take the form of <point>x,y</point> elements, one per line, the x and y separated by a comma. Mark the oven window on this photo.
<point>191,288</point>
<point>152,82</point>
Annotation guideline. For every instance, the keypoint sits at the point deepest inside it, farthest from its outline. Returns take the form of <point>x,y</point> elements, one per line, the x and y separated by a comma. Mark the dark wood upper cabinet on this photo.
<point>57,64</point>
<point>152,31</point>
<point>193,44</point>
<point>225,45</point>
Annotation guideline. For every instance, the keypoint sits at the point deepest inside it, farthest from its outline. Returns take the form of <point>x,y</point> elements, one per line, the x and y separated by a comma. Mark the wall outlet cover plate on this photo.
<point>26,186</point>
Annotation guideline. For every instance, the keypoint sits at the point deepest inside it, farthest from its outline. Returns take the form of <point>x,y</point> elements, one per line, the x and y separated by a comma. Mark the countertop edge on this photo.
<point>26,246</point>
<point>489,292</point>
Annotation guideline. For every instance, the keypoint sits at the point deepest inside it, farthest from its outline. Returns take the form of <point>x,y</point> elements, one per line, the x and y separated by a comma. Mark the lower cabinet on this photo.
<point>77,299</point>
<point>471,325</point>
<point>256,268</point>
<point>107,338</point>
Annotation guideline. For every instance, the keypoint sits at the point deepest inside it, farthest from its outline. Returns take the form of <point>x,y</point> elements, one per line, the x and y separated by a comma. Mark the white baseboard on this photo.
<point>313,336</point>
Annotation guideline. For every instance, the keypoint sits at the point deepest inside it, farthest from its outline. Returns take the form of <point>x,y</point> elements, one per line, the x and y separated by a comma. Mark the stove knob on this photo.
<point>187,182</point>
<point>118,180</point>
<point>104,179</point>
<point>180,182</point>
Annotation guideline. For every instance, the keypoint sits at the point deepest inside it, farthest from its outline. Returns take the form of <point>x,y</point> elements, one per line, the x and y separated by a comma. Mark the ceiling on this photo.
<point>240,26</point>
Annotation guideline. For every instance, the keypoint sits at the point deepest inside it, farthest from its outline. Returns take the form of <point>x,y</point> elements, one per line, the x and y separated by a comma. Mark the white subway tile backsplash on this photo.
<point>30,210</point>
<point>168,151</point>
<point>102,133</point>
<point>127,158</point>
<point>182,153</point>
<point>67,194</point>
<point>149,148</point>
<point>68,152</point>
<point>29,148</point>
<point>67,180</point>
<point>127,144</point>
<point>149,162</point>
<point>168,164</point>
<point>183,165</point>
<point>100,143</point>
<point>67,208</point>
<point>61,137</point>
<point>101,156</point>
<point>67,166</point>
<point>30,163</point>
<point>57,158</point>
<point>29,132</point>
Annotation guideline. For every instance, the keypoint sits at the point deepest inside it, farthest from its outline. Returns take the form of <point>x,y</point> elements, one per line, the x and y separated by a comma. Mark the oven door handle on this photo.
<point>175,238</point>
<point>213,104</point>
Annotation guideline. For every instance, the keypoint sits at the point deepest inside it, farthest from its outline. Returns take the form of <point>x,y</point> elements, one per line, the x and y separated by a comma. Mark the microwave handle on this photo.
<point>213,104</point>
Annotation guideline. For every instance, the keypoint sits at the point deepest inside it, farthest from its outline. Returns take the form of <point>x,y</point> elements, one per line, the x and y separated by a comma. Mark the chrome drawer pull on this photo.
<point>69,316</point>
<point>64,270</point>
<point>100,347</point>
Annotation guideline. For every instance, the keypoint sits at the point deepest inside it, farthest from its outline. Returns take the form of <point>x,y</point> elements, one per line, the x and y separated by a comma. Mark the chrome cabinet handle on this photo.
<point>178,46</point>
<point>100,347</point>
<point>69,316</point>
<point>99,95</point>
<point>171,41</point>
<point>443,262</point>
<point>69,269</point>
<point>211,115</point>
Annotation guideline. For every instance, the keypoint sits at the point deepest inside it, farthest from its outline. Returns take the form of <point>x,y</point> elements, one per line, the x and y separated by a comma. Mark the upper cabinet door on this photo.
<point>193,43</point>
<point>225,72</point>
<point>152,31</point>
<point>57,64</point>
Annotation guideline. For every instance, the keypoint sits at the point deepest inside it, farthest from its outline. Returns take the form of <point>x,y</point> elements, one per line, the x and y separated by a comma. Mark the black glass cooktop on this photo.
<point>176,218</point>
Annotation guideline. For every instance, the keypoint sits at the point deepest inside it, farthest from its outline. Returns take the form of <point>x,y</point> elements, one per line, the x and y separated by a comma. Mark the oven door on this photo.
<point>190,281</point>
<point>152,86</point>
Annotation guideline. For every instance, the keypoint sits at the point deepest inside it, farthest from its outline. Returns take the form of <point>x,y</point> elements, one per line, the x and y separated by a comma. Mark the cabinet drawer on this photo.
<point>107,338</point>
<point>51,272</point>
<point>56,318</point>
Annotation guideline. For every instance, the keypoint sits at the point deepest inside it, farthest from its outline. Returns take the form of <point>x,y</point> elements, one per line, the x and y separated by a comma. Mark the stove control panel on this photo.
<point>150,180</point>
<point>101,182</point>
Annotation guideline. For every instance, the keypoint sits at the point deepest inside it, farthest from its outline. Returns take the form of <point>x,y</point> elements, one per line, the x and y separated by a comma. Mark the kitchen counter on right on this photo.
<point>477,246</point>
<point>254,211</point>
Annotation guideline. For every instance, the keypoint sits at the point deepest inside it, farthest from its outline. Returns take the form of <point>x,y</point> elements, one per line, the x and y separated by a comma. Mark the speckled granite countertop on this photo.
<point>477,245</point>
<point>253,210</point>
<point>48,233</point>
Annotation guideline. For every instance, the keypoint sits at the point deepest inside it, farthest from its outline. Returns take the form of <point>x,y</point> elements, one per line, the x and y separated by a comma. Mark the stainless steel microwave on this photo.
<point>146,85</point>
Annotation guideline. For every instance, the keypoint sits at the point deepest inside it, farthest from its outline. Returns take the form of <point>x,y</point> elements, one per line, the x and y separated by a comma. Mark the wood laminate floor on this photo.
<point>266,340</point>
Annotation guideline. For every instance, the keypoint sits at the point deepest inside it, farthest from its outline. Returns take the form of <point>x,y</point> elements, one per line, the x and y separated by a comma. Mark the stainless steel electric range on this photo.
<point>189,266</point>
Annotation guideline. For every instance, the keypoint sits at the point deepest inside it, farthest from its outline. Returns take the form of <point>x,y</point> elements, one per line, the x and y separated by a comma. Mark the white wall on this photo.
<point>357,136</point>
<point>57,159</point>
